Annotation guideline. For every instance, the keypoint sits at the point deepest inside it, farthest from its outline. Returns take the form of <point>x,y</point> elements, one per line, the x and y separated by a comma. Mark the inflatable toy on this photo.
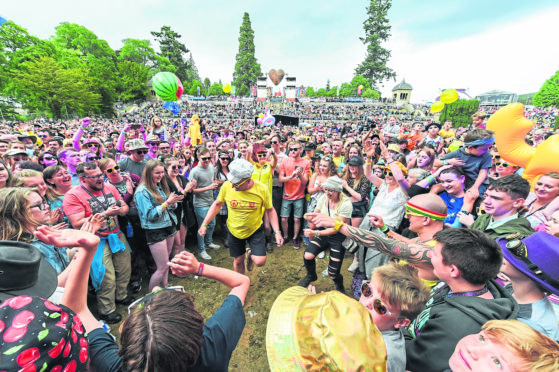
<point>437,107</point>
<point>276,76</point>
<point>167,86</point>
<point>449,96</point>
<point>227,88</point>
<point>510,128</point>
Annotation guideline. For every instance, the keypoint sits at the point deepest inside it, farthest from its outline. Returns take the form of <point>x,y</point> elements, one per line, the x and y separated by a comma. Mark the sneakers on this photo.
<point>306,281</point>
<point>204,255</point>
<point>213,246</point>
<point>270,247</point>
<point>296,243</point>
<point>250,263</point>
<point>321,255</point>
<point>354,265</point>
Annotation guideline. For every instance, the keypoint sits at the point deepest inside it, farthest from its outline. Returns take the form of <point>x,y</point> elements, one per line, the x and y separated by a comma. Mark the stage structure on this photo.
<point>291,89</point>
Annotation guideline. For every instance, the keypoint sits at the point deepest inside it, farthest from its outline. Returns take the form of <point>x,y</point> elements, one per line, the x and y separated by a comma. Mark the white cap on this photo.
<point>239,169</point>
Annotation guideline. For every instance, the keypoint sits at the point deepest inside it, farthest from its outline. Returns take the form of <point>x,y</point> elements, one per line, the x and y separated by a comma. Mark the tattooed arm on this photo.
<point>412,253</point>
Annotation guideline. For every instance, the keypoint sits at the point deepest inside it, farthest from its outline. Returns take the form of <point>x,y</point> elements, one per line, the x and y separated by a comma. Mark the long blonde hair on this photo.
<point>151,186</point>
<point>14,212</point>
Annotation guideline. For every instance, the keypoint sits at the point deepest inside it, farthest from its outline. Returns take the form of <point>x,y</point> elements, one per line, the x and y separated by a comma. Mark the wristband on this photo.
<point>445,162</point>
<point>164,205</point>
<point>385,230</point>
<point>317,234</point>
<point>368,163</point>
<point>277,232</point>
<point>338,224</point>
<point>200,269</point>
<point>205,224</point>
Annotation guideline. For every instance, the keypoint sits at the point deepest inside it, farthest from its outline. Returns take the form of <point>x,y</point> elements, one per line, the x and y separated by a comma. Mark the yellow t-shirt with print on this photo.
<point>264,174</point>
<point>428,282</point>
<point>245,208</point>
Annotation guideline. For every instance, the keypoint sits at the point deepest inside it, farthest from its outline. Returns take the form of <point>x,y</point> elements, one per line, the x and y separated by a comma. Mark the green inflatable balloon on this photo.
<point>167,86</point>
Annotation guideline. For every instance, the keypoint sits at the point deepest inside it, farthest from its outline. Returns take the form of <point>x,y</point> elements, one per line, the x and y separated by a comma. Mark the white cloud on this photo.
<point>518,56</point>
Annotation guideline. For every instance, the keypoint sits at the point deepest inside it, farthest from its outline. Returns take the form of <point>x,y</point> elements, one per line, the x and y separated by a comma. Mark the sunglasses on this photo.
<point>294,149</point>
<point>261,155</point>
<point>274,142</point>
<point>42,206</point>
<point>496,157</point>
<point>164,147</point>
<point>239,184</point>
<point>225,158</point>
<point>141,152</point>
<point>92,145</point>
<point>93,158</point>
<point>503,164</point>
<point>115,168</point>
<point>518,248</point>
<point>252,138</point>
<point>205,159</point>
<point>388,173</point>
<point>480,211</point>
<point>174,167</point>
<point>43,136</point>
<point>378,306</point>
<point>49,157</point>
<point>141,302</point>
<point>153,144</point>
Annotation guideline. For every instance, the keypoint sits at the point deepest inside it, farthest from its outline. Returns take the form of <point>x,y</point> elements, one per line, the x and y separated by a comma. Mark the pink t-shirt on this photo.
<point>294,189</point>
<point>77,200</point>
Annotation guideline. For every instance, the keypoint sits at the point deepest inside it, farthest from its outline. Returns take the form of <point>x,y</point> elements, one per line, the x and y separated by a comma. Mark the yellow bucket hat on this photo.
<point>323,332</point>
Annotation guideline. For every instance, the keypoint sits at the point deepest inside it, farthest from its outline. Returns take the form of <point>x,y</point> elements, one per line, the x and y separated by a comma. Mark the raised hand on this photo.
<point>67,238</point>
<point>183,264</point>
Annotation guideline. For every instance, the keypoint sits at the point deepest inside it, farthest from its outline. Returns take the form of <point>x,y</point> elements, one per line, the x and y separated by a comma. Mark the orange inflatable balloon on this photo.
<point>510,128</point>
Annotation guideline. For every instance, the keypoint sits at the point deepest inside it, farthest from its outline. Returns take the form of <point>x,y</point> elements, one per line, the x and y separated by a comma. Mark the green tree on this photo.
<point>459,112</point>
<point>44,85</point>
<point>14,37</point>
<point>548,94</point>
<point>141,52</point>
<point>133,79</point>
<point>321,92</point>
<point>193,89</point>
<point>192,70</point>
<point>328,84</point>
<point>247,68</point>
<point>309,92</point>
<point>175,51</point>
<point>216,89</point>
<point>377,31</point>
<point>370,93</point>
<point>346,90</point>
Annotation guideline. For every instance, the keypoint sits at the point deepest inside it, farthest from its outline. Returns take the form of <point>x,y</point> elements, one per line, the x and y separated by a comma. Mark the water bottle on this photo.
<point>129,231</point>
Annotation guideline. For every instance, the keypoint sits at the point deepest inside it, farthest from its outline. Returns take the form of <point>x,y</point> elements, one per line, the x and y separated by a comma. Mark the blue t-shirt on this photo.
<point>474,164</point>
<point>540,316</point>
<point>453,204</point>
<point>221,335</point>
<point>56,257</point>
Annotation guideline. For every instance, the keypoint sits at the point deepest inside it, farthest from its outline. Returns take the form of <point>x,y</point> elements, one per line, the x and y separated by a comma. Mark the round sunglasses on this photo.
<point>378,305</point>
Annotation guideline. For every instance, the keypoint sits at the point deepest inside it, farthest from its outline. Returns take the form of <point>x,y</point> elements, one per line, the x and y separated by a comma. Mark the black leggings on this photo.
<point>337,251</point>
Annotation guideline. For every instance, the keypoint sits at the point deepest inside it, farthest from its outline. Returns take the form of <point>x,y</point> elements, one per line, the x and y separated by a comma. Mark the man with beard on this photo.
<point>110,269</point>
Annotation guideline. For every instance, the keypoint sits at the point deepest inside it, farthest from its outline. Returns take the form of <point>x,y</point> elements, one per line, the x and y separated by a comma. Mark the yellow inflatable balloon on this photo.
<point>437,107</point>
<point>227,88</point>
<point>510,128</point>
<point>261,115</point>
<point>449,96</point>
<point>361,87</point>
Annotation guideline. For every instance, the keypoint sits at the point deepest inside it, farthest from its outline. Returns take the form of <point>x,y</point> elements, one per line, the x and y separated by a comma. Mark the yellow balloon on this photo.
<point>227,88</point>
<point>361,87</point>
<point>437,107</point>
<point>449,96</point>
<point>261,115</point>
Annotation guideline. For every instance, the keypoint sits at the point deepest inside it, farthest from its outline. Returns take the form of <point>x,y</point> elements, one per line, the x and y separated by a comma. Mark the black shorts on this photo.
<point>256,242</point>
<point>158,235</point>
<point>359,209</point>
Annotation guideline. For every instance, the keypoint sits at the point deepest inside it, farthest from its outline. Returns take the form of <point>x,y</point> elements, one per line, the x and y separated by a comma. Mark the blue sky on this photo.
<point>478,45</point>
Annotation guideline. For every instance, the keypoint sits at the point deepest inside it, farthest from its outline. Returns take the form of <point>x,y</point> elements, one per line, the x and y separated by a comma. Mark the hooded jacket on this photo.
<point>517,225</point>
<point>434,334</point>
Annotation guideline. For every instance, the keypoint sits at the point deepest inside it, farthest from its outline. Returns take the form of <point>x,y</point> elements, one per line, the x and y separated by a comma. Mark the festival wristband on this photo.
<point>164,205</point>
<point>384,229</point>
<point>445,162</point>
<point>200,269</point>
<point>277,232</point>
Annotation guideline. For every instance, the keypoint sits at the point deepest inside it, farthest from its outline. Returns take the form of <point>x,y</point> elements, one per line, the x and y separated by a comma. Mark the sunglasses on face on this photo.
<point>43,136</point>
<point>93,158</point>
<point>42,206</point>
<point>294,149</point>
<point>18,159</point>
<point>274,142</point>
<point>496,157</point>
<point>378,306</point>
<point>141,152</point>
<point>261,155</point>
<point>174,167</point>
<point>164,147</point>
<point>252,138</point>
<point>92,145</point>
<point>115,168</point>
<point>503,164</point>
<point>49,158</point>
<point>141,302</point>
<point>388,173</point>
<point>224,159</point>
<point>153,144</point>
<point>480,211</point>
<point>240,183</point>
<point>205,159</point>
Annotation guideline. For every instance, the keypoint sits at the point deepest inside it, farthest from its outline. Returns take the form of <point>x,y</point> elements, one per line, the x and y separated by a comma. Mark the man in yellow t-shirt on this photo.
<point>247,201</point>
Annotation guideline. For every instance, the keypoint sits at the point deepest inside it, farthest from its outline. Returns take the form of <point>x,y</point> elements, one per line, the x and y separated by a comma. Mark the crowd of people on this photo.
<point>454,256</point>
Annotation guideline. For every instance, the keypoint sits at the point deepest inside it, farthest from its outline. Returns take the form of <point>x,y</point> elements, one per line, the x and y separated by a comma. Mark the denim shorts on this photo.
<point>158,235</point>
<point>298,207</point>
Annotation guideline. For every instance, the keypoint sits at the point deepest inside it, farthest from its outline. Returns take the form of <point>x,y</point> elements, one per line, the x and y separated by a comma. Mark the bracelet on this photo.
<point>384,229</point>
<point>445,162</point>
<point>164,205</point>
<point>368,163</point>
<point>205,224</point>
<point>463,211</point>
<point>317,234</point>
<point>277,232</point>
<point>200,269</point>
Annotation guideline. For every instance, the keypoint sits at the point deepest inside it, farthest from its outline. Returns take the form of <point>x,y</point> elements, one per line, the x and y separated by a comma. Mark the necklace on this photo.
<point>477,292</point>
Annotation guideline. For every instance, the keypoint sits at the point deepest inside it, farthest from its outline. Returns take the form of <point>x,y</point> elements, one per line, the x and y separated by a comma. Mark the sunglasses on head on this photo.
<point>205,159</point>
<point>141,302</point>
<point>141,152</point>
<point>503,164</point>
<point>378,306</point>
<point>115,168</point>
